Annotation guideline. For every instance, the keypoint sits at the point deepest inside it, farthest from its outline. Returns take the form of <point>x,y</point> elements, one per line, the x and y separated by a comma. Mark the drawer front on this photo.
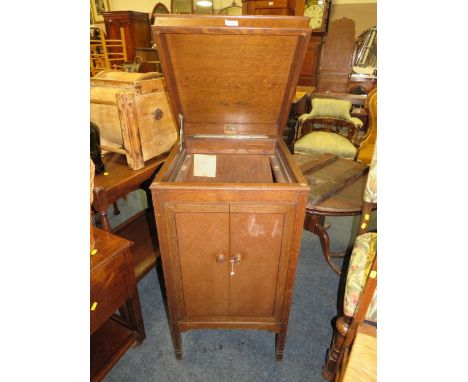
<point>270,4</point>
<point>108,291</point>
<point>272,12</point>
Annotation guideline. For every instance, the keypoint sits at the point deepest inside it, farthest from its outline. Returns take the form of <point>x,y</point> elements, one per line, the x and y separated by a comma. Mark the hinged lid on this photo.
<point>231,74</point>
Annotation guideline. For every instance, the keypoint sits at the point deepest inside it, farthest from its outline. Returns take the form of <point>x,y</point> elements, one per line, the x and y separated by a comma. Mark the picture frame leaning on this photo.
<point>97,8</point>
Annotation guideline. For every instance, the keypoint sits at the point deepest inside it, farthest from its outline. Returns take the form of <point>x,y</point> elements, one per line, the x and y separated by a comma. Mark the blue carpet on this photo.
<point>242,355</point>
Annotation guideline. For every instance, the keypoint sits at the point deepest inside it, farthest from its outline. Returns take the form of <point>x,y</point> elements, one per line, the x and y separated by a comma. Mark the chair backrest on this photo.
<point>331,115</point>
<point>336,56</point>
<point>369,140</point>
<point>231,10</point>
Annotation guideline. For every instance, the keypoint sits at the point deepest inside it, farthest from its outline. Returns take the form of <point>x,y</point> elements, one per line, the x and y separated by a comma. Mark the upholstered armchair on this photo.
<point>328,128</point>
<point>360,296</point>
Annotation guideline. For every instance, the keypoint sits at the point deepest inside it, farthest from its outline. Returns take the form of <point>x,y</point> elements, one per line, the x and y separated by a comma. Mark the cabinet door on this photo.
<point>308,76</point>
<point>260,241</point>
<point>203,241</point>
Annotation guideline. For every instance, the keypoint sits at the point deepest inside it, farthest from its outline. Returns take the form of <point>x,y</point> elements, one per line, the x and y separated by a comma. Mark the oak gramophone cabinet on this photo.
<point>229,200</point>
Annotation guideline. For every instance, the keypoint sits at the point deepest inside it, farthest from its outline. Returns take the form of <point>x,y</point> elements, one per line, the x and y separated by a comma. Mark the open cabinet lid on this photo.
<point>231,74</point>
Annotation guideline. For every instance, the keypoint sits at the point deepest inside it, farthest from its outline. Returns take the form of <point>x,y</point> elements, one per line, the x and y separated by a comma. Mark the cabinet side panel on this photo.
<point>257,238</point>
<point>203,237</point>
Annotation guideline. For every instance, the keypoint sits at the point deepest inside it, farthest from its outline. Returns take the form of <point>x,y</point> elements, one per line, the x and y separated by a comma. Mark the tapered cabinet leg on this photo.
<point>280,342</point>
<point>176,341</point>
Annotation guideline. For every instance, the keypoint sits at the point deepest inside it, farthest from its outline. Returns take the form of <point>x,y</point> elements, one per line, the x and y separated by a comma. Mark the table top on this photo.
<point>118,179</point>
<point>298,96</point>
<point>106,246</point>
<point>337,184</point>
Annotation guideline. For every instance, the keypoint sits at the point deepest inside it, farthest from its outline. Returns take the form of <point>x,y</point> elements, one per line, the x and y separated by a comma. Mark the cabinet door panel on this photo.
<point>202,237</point>
<point>257,238</point>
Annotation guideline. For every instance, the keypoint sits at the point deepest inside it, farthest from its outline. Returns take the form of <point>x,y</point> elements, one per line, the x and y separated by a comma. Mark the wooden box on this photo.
<point>133,115</point>
<point>229,201</point>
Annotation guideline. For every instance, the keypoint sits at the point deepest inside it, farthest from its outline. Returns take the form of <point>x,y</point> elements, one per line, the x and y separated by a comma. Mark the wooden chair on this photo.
<point>360,297</point>
<point>328,128</point>
<point>107,54</point>
<point>368,141</point>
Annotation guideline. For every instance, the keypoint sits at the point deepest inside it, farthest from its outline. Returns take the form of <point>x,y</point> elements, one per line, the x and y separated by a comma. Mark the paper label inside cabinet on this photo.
<point>204,165</point>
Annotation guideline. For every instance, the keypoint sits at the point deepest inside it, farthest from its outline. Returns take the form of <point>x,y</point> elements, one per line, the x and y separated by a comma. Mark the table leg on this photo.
<point>315,224</point>
<point>116,208</point>
<point>101,205</point>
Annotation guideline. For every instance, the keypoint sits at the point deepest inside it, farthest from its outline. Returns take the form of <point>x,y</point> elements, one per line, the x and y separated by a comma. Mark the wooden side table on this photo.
<point>337,186</point>
<point>112,285</point>
<point>140,228</point>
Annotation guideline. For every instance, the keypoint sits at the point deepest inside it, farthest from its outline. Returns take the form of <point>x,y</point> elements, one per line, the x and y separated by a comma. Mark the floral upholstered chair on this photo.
<point>328,128</point>
<point>360,298</point>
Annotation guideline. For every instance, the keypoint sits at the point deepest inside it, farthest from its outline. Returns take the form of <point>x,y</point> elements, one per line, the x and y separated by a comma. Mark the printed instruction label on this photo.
<point>204,165</point>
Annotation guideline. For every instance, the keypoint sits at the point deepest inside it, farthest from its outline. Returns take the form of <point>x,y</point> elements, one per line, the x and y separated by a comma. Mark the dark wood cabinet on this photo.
<point>230,232</point>
<point>136,27</point>
<point>265,7</point>
<point>309,75</point>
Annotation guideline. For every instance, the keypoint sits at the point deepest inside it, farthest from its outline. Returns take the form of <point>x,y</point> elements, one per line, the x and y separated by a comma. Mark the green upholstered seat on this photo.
<point>325,142</point>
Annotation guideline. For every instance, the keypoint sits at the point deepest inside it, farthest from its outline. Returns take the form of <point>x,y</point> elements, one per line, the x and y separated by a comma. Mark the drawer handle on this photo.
<point>93,307</point>
<point>220,259</point>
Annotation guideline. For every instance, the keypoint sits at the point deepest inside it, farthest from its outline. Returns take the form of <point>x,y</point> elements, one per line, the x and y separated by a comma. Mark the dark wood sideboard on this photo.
<point>136,27</point>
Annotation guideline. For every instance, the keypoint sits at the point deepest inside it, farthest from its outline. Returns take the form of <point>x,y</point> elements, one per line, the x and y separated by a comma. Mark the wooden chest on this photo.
<point>133,115</point>
<point>229,201</point>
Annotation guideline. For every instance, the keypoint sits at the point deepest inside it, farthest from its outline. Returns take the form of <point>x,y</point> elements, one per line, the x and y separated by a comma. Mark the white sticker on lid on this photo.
<point>231,23</point>
<point>204,165</point>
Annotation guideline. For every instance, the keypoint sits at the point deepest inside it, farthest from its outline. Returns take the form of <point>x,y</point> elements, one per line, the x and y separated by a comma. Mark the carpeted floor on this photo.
<point>241,355</point>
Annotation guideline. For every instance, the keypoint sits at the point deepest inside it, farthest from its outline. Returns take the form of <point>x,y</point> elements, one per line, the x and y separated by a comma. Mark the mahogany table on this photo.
<point>337,186</point>
<point>140,228</point>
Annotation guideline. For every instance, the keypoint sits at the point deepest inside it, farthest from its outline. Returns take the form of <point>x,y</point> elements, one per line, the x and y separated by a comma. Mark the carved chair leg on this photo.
<point>331,364</point>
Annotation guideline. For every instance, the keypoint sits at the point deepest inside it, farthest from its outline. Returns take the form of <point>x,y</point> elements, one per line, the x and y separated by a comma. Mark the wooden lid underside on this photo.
<point>231,79</point>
